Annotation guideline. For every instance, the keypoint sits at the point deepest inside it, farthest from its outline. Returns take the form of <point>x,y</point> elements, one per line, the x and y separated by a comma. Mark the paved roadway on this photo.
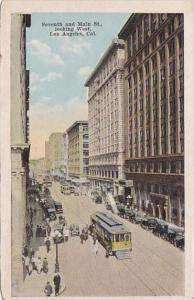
<point>155,268</point>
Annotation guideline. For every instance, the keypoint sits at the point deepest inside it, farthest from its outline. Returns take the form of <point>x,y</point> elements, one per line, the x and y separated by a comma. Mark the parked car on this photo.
<point>76,194</point>
<point>51,213</point>
<point>108,206</point>
<point>161,229</point>
<point>149,223</point>
<point>98,199</point>
<point>137,218</point>
<point>179,241</point>
<point>74,230</point>
<point>58,207</point>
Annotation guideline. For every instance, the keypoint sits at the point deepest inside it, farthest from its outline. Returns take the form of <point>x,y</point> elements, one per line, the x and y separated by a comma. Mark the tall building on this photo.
<point>47,156</point>
<point>54,153</point>
<point>19,143</point>
<point>154,118</point>
<point>106,120</point>
<point>65,146</point>
<point>78,151</point>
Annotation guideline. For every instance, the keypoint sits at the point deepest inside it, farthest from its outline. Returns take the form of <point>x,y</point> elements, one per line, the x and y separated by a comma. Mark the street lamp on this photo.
<point>56,235</point>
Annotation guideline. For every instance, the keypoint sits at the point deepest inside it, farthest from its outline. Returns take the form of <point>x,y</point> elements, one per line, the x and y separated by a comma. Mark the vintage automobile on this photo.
<point>121,209</point>
<point>98,199</point>
<point>76,193</point>
<point>149,223</point>
<point>58,207</point>
<point>161,229</point>
<point>74,230</point>
<point>130,215</point>
<point>180,241</point>
<point>137,218</point>
<point>108,206</point>
<point>171,236</point>
<point>51,214</point>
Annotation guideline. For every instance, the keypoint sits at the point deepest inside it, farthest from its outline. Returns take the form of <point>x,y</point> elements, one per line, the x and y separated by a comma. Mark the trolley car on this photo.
<point>112,234</point>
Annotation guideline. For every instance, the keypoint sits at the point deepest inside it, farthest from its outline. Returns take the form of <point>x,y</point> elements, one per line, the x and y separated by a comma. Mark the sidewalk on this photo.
<point>34,284</point>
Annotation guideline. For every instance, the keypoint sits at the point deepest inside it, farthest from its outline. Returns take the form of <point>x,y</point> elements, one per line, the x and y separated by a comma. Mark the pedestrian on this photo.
<point>48,289</point>
<point>108,249</point>
<point>26,261</point>
<point>94,238</point>
<point>37,231</point>
<point>30,252</point>
<point>81,237</point>
<point>43,231</point>
<point>96,247</point>
<point>25,250</point>
<point>31,213</point>
<point>57,281</point>
<point>35,211</point>
<point>45,265</point>
<point>33,262</point>
<point>48,229</point>
<point>48,244</point>
<point>39,265</point>
<point>66,233</point>
<point>40,231</point>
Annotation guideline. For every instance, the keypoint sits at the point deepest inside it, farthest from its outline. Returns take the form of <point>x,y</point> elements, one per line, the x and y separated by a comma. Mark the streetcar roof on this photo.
<point>110,223</point>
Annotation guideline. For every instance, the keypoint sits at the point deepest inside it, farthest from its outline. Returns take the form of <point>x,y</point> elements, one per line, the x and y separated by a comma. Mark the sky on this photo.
<point>60,65</point>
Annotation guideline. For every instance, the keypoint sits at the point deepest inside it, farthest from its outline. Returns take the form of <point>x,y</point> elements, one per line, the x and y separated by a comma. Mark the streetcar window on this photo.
<point>121,237</point>
<point>117,238</point>
<point>127,237</point>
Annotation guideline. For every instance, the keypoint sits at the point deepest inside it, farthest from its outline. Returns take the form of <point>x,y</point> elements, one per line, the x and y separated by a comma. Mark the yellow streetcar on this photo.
<point>112,234</point>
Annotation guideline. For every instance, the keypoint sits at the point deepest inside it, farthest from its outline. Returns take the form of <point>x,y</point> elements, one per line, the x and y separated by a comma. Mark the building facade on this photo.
<point>78,150</point>
<point>154,112</point>
<point>106,120</point>
<point>47,156</point>
<point>55,153</point>
<point>19,143</point>
<point>65,152</point>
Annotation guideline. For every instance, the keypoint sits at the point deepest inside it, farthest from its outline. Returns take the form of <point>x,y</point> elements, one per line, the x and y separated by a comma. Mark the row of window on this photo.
<point>176,167</point>
<point>102,173</point>
<point>145,29</point>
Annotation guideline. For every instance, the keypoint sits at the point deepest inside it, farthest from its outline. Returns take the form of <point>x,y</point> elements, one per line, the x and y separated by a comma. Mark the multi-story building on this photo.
<point>65,151</point>
<point>78,149</point>
<point>54,153</point>
<point>154,106</point>
<point>47,156</point>
<point>105,119</point>
<point>19,143</point>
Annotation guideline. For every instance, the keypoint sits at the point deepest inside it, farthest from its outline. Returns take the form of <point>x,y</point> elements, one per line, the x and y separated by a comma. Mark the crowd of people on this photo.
<point>32,262</point>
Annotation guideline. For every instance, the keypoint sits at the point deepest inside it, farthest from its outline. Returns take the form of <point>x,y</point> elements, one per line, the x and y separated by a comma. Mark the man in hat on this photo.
<point>57,281</point>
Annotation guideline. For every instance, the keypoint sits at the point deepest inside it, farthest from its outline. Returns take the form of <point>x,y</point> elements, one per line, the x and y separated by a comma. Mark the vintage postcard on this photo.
<point>97,149</point>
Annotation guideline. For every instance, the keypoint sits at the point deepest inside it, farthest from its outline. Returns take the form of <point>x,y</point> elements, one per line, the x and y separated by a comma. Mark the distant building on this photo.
<point>19,144</point>
<point>106,120</point>
<point>78,149</point>
<point>54,153</point>
<point>154,112</point>
<point>38,169</point>
<point>65,153</point>
<point>47,156</point>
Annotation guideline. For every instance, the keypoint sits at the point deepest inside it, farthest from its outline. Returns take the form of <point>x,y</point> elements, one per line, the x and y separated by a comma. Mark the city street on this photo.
<point>155,268</point>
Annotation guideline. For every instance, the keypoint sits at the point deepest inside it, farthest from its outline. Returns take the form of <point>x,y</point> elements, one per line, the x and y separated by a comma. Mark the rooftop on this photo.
<point>76,123</point>
<point>115,43</point>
